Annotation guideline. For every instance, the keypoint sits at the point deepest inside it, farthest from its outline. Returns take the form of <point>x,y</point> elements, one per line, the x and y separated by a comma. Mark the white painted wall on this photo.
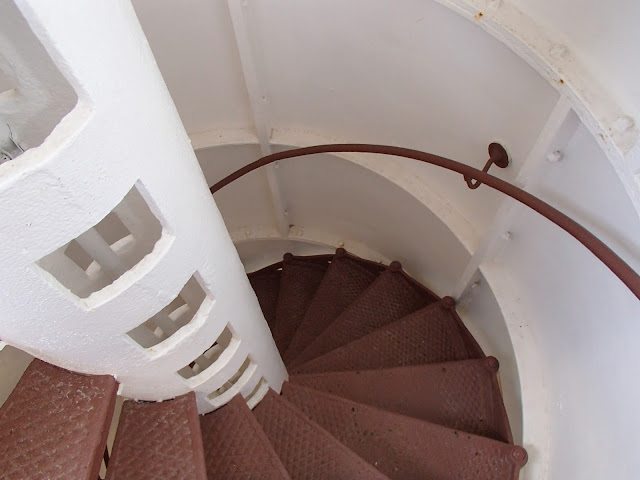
<point>585,186</point>
<point>193,40</point>
<point>124,131</point>
<point>583,326</point>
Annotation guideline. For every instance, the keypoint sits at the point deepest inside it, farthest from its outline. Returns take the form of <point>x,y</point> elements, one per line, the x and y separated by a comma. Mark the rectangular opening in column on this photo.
<point>258,393</point>
<point>247,365</point>
<point>180,312</point>
<point>103,253</point>
<point>226,342</point>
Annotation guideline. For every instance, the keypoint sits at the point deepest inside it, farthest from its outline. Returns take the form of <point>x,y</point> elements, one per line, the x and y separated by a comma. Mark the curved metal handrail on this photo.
<point>607,256</point>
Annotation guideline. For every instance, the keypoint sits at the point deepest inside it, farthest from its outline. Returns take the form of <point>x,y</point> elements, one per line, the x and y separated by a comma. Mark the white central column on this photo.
<point>115,258</point>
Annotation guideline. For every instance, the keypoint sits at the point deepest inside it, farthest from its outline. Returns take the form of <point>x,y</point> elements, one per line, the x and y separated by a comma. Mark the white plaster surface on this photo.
<point>34,96</point>
<point>123,131</point>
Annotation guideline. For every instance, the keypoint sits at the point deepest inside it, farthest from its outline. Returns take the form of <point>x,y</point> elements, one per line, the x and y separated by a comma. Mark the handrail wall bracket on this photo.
<point>498,156</point>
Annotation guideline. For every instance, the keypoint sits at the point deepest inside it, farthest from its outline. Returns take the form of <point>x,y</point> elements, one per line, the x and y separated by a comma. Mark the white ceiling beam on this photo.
<point>220,137</point>
<point>255,82</point>
<point>554,136</point>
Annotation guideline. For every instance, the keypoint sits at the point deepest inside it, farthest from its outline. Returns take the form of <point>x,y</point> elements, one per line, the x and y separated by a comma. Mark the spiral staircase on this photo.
<point>385,383</point>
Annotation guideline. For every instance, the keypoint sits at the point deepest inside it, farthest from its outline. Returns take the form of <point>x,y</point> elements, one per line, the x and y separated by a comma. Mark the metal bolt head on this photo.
<point>449,302</point>
<point>559,51</point>
<point>623,124</point>
<point>395,266</point>
<point>519,454</point>
<point>555,157</point>
<point>492,363</point>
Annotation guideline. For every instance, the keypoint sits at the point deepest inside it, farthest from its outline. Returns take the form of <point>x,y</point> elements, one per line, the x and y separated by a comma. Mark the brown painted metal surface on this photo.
<point>307,451</point>
<point>405,448</point>
<point>619,267</point>
<point>158,441</point>
<point>345,280</point>
<point>429,335</point>
<point>389,298</point>
<point>461,395</point>
<point>406,415</point>
<point>267,286</point>
<point>54,425</point>
<point>236,447</point>
<point>300,280</point>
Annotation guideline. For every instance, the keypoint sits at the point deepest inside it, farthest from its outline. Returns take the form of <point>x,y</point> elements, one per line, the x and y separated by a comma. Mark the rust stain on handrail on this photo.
<point>607,256</point>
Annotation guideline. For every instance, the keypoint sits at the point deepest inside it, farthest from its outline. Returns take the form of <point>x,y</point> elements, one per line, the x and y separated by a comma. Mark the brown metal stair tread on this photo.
<point>55,423</point>
<point>236,447</point>
<point>429,335</point>
<point>388,298</point>
<point>307,451</point>
<point>462,395</point>
<point>266,286</point>
<point>405,448</point>
<point>299,281</point>
<point>370,265</point>
<point>343,283</point>
<point>158,440</point>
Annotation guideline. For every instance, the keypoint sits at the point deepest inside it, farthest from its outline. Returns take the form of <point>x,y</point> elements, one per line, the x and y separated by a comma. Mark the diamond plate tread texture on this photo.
<point>343,283</point>
<point>420,287</point>
<point>158,440</point>
<point>307,451</point>
<point>405,448</point>
<point>54,425</point>
<point>236,447</point>
<point>389,298</point>
<point>429,335</point>
<point>462,395</point>
<point>266,285</point>
<point>299,282</point>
